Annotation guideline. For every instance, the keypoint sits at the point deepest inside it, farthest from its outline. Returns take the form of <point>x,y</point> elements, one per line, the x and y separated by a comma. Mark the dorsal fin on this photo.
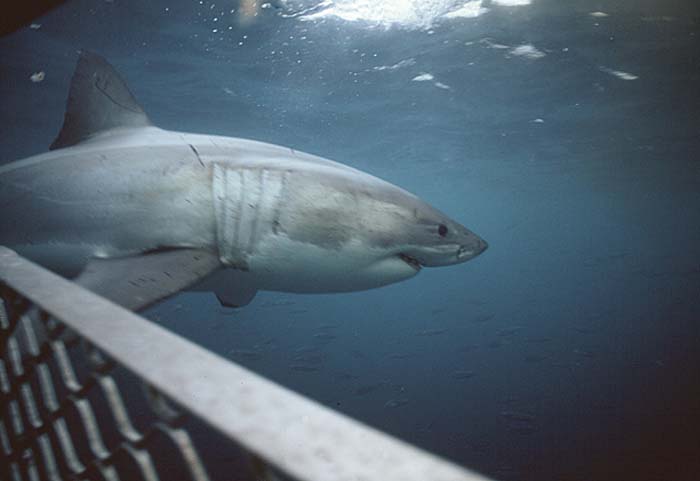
<point>99,100</point>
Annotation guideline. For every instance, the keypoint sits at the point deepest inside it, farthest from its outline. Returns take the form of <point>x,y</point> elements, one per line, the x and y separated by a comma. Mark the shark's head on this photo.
<point>427,237</point>
<point>338,229</point>
<point>403,234</point>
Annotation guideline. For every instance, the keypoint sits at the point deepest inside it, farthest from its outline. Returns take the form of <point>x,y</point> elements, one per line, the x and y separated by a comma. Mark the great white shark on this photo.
<point>137,213</point>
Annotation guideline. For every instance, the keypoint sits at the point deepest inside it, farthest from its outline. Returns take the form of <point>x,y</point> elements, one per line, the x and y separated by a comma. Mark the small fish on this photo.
<point>400,355</point>
<point>328,326</point>
<point>310,358</point>
<point>245,354</point>
<point>324,336</point>
<point>483,318</point>
<point>431,332</point>
<point>495,344</point>
<point>518,416</point>
<point>508,331</point>
<point>534,358</point>
<point>364,390</point>
<point>537,340</point>
<point>522,429</point>
<point>396,403</point>
<point>303,368</point>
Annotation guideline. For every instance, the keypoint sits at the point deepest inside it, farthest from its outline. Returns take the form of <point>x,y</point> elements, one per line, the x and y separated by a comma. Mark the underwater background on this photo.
<point>566,133</point>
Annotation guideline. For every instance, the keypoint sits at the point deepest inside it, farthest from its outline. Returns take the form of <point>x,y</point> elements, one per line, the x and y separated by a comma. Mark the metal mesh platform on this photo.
<point>89,390</point>
<point>50,428</point>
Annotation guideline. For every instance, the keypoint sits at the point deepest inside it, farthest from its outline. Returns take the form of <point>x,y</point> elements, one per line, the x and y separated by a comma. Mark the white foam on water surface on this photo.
<point>511,3</point>
<point>424,77</point>
<point>402,64</point>
<point>411,14</point>
<point>527,51</point>
<point>619,74</point>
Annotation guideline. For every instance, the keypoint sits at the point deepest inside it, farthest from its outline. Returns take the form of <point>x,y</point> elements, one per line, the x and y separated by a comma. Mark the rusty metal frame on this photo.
<point>43,316</point>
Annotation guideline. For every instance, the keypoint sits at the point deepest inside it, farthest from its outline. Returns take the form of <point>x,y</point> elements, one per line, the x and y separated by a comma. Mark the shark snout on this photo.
<point>445,255</point>
<point>473,248</point>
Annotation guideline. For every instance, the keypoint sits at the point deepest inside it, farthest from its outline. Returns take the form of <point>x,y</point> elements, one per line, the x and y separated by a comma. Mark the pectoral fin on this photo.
<point>232,287</point>
<point>238,297</point>
<point>140,281</point>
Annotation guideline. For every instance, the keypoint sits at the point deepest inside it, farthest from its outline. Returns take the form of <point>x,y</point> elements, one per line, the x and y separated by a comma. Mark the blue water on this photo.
<point>570,349</point>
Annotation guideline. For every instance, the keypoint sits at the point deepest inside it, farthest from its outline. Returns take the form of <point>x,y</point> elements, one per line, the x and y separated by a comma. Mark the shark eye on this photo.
<point>442,230</point>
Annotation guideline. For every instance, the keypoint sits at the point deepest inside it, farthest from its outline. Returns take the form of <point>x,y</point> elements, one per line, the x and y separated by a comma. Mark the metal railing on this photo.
<point>69,408</point>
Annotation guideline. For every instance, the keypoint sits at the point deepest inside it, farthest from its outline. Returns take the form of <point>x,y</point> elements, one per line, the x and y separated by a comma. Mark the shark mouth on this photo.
<point>411,261</point>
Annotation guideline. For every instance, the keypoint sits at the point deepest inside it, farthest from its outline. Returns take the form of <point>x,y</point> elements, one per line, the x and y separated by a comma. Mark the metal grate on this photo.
<point>89,390</point>
<point>42,391</point>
